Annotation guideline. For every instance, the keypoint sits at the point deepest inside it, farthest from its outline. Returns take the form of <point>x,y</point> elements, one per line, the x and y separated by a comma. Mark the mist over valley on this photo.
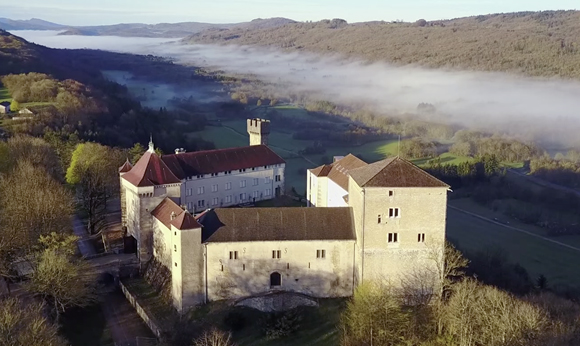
<point>540,109</point>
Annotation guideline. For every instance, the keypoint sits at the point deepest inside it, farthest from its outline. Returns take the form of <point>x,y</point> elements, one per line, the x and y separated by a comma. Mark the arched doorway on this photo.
<point>275,279</point>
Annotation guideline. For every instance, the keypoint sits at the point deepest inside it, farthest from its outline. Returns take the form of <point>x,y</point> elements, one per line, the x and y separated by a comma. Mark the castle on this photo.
<point>381,221</point>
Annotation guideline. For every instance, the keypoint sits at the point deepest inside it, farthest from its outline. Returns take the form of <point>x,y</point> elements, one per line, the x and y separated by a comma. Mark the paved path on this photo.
<point>514,228</point>
<point>123,322</point>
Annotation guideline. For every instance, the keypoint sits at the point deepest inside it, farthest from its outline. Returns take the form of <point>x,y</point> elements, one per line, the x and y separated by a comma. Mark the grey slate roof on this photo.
<point>394,172</point>
<point>277,224</point>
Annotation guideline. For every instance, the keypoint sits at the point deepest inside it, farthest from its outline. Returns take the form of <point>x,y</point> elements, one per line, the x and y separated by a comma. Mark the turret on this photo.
<point>259,129</point>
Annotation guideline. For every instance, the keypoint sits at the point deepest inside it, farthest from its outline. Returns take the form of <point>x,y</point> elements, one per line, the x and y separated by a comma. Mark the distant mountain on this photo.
<point>168,30</point>
<point>29,24</point>
<point>543,43</point>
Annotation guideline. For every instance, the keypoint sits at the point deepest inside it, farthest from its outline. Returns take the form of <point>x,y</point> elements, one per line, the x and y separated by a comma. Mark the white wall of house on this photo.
<point>335,195</point>
<point>324,192</point>
<point>301,265</point>
<point>222,190</point>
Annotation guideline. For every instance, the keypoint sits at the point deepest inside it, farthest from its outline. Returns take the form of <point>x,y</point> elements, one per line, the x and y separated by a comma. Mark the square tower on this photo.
<point>259,129</point>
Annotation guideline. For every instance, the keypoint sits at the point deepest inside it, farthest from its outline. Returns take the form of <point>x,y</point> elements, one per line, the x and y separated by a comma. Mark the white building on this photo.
<point>381,221</point>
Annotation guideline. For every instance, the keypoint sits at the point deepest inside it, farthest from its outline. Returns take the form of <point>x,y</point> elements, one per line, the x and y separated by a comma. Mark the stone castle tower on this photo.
<point>259,130</point>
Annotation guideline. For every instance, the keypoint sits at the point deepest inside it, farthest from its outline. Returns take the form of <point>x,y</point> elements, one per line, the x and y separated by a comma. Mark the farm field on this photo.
<point>537,255</point>
<point>4,94</point>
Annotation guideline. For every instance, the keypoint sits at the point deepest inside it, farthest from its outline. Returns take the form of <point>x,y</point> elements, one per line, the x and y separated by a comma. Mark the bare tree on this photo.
<point>59,277</point>
<point>25,325</point>
<point>32,204</point>
<point>214,337</point>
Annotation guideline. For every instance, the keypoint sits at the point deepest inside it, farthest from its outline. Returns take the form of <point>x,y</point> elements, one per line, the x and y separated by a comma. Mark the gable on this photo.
<point>394,172</point>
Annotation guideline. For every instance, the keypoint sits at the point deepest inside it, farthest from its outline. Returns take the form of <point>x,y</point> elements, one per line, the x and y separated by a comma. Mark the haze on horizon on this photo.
<point>106,12</point>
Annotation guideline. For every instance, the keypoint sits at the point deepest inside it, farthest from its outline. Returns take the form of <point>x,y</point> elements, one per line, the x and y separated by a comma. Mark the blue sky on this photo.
<point>91,12</point>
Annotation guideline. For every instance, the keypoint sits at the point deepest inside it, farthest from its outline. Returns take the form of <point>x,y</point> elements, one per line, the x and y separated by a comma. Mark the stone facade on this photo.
<point>383,221</point>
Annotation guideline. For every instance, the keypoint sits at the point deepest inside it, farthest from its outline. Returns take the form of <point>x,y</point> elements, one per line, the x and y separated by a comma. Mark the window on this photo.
<point>233,255</point>
<point>255,194</point>
<point>268,192</point>
<point>242,170</point>
<point>379,219</point>
<point>391,193</point>
<point>393,238</point>
<point>200,176</point>
<point>265,167</point>
<point>214,174</point>
<point>394,213</point>
<point>214,188</point>
<point>176,264</point>
<point>190,206</point>
<point>215,201</point>
<point>268,180</point>
<point>278,178</point>
<point>243,183</point>
<point>243,196</point>
<point>201,203</point>
<point>229,199</point>
<point>253,168</point>
<point>175,248</point>
<point>228,186</point>
<point>276,253</point>
<point>200,190</point>
<point>188,192</point>
<point>421,238</point>
<point>256,181</point>
<point>320,253</point>
<point>227,172</point>
<point>243,267</point>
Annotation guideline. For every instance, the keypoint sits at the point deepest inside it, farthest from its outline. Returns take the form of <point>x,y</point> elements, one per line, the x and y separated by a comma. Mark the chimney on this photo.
<point>173,216</point>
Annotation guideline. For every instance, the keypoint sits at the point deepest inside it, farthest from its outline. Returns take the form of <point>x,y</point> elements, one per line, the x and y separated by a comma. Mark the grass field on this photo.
<point>537,255</point>
<point>4,94</point>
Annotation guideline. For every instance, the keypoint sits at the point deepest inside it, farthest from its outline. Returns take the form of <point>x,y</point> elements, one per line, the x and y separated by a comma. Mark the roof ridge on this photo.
<point>424,172</point>
<point>392,159</point>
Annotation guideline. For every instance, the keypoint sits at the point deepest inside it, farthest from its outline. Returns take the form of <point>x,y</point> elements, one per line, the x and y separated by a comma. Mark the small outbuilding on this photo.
<point>4,107</point>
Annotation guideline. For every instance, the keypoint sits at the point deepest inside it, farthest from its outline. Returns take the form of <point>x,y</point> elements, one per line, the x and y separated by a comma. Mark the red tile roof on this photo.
<point>126,167</point>
<point>394,172</point>
<point>150,170</point>
<point>182,219</point>
<point>220,160</point>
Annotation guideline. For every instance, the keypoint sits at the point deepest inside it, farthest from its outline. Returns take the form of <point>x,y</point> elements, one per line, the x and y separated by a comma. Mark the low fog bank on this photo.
<point>544,109</point>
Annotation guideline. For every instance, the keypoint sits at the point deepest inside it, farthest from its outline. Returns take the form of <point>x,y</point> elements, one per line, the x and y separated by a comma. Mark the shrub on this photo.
<point>282,324</point>
<point>235,321</point>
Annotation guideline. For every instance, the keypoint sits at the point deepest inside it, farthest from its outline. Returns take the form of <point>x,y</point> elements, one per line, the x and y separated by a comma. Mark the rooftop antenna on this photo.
<point>399,147</point>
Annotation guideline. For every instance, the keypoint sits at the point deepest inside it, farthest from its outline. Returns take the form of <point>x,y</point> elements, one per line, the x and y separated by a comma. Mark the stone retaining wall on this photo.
<point>149,321</point>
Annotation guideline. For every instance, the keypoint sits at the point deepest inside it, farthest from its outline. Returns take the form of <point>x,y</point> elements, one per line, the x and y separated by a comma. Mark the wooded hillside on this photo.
<point>529,43</point>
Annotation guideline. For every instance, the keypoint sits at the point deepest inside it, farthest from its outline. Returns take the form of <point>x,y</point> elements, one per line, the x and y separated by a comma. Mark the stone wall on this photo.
<point>147,318</point>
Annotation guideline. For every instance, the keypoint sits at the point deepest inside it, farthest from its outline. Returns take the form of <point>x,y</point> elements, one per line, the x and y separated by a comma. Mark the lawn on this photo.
<point>537,255</point>
<point>4,94</point>
<point>233,134</point>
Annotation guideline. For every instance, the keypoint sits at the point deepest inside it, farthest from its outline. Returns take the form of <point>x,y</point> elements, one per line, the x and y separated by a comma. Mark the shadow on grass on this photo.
<point>86,327</point>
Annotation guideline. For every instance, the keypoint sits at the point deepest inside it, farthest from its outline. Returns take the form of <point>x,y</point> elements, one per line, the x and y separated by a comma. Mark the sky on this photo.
<point>102,12</point>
